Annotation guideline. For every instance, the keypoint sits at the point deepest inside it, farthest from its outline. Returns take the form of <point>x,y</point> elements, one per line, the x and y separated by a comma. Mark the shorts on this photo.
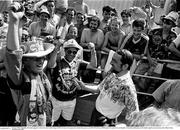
<point>63,108</point>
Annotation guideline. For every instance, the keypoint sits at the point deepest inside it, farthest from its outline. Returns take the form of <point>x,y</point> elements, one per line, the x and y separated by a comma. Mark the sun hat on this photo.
<point>91,12</point>
<point>172,16</point>
<point>36,48</point>
<point>71,44</point>
<point>44,10</point>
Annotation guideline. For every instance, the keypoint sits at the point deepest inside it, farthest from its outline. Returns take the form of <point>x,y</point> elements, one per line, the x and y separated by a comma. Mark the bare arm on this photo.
<point>90,88</point>
<point>83,42</point>
<point>174,49</point>
<point>100,40</point>
<point>13,35</point>
<point>104,46</point>
<point>122,36</point>
<point>60,28</point>
<point>53,55</point>
<point>13,55</point>
<point>93,62</point>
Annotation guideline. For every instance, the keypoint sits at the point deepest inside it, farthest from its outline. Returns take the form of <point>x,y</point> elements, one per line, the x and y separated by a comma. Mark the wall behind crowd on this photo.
<point>140,3</point>
<point>119,5</point>
<point>4,4</point>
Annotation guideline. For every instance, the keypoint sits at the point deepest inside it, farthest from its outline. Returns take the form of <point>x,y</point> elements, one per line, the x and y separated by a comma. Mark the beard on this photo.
<point>114,71</point>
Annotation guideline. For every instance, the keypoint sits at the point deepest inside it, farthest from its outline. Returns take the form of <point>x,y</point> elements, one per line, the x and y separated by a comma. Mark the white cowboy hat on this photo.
<point>44,10</point>
<point>91,12</point>
<point>172,16</point>
<point>71,44</point>
<point>36,49</point>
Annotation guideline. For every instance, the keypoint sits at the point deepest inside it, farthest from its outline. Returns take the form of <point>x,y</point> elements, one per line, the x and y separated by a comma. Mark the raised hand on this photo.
<point>91,46</point>
<point>58,43</point>
<point>16,12</point>
<point>76,83</point>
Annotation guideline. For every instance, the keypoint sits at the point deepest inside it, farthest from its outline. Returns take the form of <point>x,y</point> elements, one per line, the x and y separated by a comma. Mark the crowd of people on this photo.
<point>50,54</point>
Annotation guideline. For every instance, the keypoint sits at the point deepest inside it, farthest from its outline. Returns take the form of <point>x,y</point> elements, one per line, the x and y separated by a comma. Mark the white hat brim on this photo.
<point>48,49</point>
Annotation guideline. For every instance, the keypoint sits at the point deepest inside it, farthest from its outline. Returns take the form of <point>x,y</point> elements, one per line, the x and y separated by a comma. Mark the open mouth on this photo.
<point>39,66</point>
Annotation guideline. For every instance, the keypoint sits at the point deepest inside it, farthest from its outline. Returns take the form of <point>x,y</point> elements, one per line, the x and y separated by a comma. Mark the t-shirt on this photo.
<point>64,89</point>
<point>157,45</point>
<point>138,48</point>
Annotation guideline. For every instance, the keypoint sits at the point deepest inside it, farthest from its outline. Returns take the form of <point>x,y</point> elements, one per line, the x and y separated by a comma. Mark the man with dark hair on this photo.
<point>106,13</point>
<point>136,42</point>
<point>80,18</point>
<point>65,22</point>
<point>54,18</point>
<point>116,92</point>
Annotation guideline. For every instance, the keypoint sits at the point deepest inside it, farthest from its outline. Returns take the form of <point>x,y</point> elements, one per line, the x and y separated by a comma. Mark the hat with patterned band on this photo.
<point>36,49</point>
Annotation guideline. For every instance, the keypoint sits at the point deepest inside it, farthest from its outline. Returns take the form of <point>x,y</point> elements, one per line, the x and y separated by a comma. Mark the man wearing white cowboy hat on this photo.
<point>29,86</point>
<point>65,77</point>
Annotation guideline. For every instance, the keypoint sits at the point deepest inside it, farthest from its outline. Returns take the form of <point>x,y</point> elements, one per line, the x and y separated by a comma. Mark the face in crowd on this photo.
<point>167,24</point>
<point>44,17</point>
<point>115,25</point>
<point>73,32</point>
<point>106,15</point>
<point>162,3</point>
<point>34,65</point>
<point>1,20</point>
<point>94,23</point>
<point>121,61</point>
<point>116,63</point>
<point>70,14</point>
<point>70,53</point>
<point>126,16</point>
<point>6,16</point>
<point>51,7</point>
<point>137,31</point>
<point>138,27</point>
<point>80,18</point>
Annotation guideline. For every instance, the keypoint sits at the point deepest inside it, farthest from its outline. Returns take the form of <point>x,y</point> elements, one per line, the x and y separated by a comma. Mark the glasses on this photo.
<point>168,22</point>
<point>71,52</point>
<point>124,16</point>
<point>113,14</point>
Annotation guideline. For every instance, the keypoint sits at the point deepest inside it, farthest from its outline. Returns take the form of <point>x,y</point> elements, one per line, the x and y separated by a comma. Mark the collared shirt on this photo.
<point>159,50</point>
<point>116,94</point>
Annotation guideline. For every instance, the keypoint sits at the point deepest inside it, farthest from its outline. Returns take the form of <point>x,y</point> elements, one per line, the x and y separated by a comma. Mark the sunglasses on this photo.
<point>71,52</point>
<point>168,22</point>
<point>124,16</point>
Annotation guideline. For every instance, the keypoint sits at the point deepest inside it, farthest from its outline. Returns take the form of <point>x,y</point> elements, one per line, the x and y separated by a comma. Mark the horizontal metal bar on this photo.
<point>151,77</point>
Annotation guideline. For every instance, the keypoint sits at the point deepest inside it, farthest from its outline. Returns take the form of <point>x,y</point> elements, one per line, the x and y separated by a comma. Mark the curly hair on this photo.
<point>153,116</point>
